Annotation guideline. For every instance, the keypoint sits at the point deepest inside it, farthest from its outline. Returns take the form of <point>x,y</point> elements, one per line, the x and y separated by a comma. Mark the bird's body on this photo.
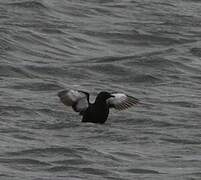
<point>96,114</point>
<point>98,111</point>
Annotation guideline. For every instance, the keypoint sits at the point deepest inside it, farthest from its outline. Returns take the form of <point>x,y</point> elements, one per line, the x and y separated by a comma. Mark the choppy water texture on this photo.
<point>148,49</point>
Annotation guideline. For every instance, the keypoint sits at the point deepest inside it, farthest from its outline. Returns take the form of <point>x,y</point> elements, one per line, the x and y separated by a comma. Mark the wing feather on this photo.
<point>121,101</point>
<point>79,100</point>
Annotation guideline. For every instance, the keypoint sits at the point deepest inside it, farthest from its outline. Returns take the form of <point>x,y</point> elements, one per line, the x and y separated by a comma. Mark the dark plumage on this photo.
<point>98,111</point>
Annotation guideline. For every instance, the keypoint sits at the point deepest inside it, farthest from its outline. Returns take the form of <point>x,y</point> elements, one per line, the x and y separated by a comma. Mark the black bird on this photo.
<point>99,110</point>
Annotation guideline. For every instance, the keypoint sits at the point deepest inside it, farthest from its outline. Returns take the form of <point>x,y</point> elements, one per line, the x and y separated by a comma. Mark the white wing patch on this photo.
<point>77,99</point>
<point>121,101</point>
<point>75,96</point>
<point>81,105</point>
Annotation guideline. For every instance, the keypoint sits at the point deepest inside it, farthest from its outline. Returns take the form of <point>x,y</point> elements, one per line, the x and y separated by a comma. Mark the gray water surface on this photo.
<point>148,49</point>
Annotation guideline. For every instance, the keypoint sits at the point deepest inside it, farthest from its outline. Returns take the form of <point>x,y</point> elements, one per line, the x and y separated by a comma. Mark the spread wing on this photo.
<point>79,100</point>
<point>121,101</point>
